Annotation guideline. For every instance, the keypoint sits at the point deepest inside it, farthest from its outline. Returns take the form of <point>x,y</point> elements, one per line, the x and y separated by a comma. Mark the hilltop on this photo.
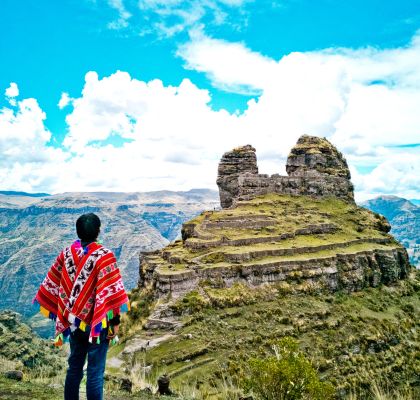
<point>304,228</point>
<point>286,256</point>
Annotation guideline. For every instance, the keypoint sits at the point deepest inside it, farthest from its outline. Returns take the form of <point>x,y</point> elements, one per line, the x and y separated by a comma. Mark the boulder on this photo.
<point>14,374</point>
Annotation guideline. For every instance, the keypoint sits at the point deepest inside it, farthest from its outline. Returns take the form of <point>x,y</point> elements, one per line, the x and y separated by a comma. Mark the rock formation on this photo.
<point>303,230</point>
<point>314,166</point>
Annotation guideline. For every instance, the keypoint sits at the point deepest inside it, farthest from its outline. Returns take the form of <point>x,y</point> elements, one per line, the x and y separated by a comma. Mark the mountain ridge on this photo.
<point>34,230</point>
<point>404,217</point>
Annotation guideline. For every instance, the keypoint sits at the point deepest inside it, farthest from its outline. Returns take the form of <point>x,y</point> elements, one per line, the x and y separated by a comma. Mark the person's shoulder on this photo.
<point>105,257</point>
<point>105,251</point>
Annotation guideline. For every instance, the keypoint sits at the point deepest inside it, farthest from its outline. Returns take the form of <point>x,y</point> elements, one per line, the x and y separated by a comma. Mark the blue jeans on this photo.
<point>80,348</point>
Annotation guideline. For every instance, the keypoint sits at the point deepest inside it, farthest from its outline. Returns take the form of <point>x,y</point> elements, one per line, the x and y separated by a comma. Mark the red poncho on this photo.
<point>82,288</point>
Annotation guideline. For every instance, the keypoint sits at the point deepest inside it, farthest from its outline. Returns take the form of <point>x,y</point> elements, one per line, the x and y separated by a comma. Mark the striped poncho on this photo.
<point>83,288</point>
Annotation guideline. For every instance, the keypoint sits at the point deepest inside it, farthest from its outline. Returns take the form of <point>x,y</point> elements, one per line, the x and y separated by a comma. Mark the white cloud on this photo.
<point>175,136</point>
<point>123,15</point>
<point>230,66</point>
<point>65,100</point>
<point>27,163</point>
<point>365,101</point>
<point>176,16</point>
<point>397,174</point>
<point>12,90</point>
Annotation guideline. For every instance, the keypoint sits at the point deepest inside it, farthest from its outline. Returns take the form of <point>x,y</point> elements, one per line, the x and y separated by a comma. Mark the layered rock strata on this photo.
<point>310,244</point>
<point>344,271</point>
<point>303,231</point>
<point>314,166</point>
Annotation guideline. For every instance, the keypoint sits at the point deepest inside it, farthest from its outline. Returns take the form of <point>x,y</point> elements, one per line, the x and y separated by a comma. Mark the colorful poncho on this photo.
<point>82,288</point>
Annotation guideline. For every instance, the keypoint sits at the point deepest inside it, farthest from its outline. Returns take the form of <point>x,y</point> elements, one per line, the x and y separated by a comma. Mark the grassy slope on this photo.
<point>13,390</point>
<point>287,213</point>
<point>353,339</point>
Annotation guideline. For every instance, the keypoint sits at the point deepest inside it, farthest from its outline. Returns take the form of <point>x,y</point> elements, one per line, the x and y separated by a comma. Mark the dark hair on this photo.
<point>87,227</point>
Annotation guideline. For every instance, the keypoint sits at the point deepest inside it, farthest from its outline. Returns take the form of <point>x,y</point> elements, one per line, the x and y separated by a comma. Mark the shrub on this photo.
<point>286,375</point>
<point>192,302</point>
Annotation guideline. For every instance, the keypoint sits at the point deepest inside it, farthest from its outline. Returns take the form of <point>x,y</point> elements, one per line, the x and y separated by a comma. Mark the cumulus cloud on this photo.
<point>27,163</point>
<point>169,137</point>
<point>12,90</point>
<point>363,100</point>
<point>230,66</point>
<point>397,174</point>
<point>65,100</point>
<point>173,136</point>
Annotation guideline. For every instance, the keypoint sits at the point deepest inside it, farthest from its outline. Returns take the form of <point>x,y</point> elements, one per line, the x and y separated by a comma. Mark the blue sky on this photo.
<point>48,47</point>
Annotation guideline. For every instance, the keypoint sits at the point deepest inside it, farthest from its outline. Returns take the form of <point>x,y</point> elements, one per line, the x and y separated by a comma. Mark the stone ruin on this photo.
<point>314,167</point>
<point>303,230</point>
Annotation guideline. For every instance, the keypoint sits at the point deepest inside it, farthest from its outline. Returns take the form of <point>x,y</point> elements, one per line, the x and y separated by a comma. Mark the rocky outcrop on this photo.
<point>304,230</point>
<point>314,166</point>
<point>233,164</point>
<point>342,271</point>
<point>314,156</point>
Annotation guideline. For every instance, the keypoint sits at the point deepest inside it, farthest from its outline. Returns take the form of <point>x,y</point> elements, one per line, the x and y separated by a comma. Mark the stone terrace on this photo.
<point>303,230</point>
<point>309,243</point>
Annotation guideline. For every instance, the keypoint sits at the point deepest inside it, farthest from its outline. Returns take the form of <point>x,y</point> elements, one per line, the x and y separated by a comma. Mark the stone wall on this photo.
<point>347,272</point>
<point>314,166</point>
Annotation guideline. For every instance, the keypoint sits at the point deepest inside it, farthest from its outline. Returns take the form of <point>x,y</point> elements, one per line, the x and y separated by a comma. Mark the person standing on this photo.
<point>84,293</point>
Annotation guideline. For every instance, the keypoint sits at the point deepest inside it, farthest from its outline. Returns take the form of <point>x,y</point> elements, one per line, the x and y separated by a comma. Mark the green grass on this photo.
<point>288,213</point>
<point>13,390</point>
<point>350,338</point>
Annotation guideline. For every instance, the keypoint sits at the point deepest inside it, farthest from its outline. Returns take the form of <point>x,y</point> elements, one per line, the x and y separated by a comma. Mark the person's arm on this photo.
<point>114,324</point>
<point>110,292</point>
<point>47,295</point>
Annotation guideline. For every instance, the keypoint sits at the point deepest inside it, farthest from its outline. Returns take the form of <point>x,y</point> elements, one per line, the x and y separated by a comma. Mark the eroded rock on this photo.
<point>314,166</point>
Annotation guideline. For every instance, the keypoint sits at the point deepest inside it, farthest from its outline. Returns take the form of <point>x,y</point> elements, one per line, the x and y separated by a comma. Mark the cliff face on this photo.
<point>314,166</point>
<point>302,230</point>
<point>34,230</point>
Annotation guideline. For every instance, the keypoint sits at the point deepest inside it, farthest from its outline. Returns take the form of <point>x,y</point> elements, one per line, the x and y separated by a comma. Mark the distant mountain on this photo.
<point>13,193</point>
<point>404,217</point>
<point>33,230</point>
